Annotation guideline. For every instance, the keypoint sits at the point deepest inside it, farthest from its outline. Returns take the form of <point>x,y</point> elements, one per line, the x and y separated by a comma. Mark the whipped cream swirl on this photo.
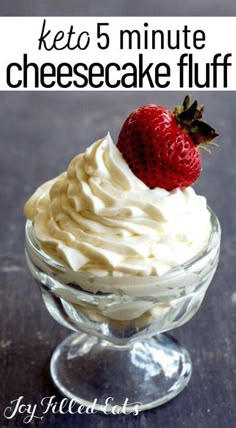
<point>98,217</point>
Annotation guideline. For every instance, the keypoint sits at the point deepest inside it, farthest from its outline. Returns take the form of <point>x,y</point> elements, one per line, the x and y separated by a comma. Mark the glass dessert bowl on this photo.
<point>118,349</point>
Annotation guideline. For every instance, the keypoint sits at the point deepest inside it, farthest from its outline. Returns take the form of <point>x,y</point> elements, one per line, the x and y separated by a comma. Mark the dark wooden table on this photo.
<point>39,134</point>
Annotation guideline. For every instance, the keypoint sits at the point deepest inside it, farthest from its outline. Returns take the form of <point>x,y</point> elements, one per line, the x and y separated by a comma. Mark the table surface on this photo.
<point>39,134</point>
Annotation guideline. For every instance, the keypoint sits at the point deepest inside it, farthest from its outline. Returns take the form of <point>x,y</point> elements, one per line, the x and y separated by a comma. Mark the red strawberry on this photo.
<point>161,147</point>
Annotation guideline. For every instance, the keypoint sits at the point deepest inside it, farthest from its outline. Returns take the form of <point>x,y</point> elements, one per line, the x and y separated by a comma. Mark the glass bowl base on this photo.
<point>120,379</point>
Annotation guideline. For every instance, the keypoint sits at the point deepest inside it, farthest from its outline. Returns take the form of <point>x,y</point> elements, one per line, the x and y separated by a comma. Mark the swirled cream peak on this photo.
<point>98,217</point>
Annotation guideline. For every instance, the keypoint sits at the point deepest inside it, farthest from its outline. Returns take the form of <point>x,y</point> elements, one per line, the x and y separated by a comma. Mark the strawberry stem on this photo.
<point>188,117</point>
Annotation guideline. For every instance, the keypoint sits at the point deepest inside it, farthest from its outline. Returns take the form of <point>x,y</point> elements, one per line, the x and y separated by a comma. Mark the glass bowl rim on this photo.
<point>213,241</point>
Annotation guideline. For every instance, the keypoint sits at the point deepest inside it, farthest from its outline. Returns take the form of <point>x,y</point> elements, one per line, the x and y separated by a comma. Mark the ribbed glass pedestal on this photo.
<point>123,379</point>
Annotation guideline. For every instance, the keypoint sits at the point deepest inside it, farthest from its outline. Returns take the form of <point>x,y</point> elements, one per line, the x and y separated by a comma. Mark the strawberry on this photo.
<point>161,147</point>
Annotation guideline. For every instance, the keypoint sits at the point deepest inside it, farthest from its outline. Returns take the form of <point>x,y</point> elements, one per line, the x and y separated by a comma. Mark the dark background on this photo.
<point>39,133</point>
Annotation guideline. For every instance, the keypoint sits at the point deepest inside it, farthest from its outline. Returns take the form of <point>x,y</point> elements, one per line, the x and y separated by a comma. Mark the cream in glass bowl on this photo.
<point>120,264</point>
